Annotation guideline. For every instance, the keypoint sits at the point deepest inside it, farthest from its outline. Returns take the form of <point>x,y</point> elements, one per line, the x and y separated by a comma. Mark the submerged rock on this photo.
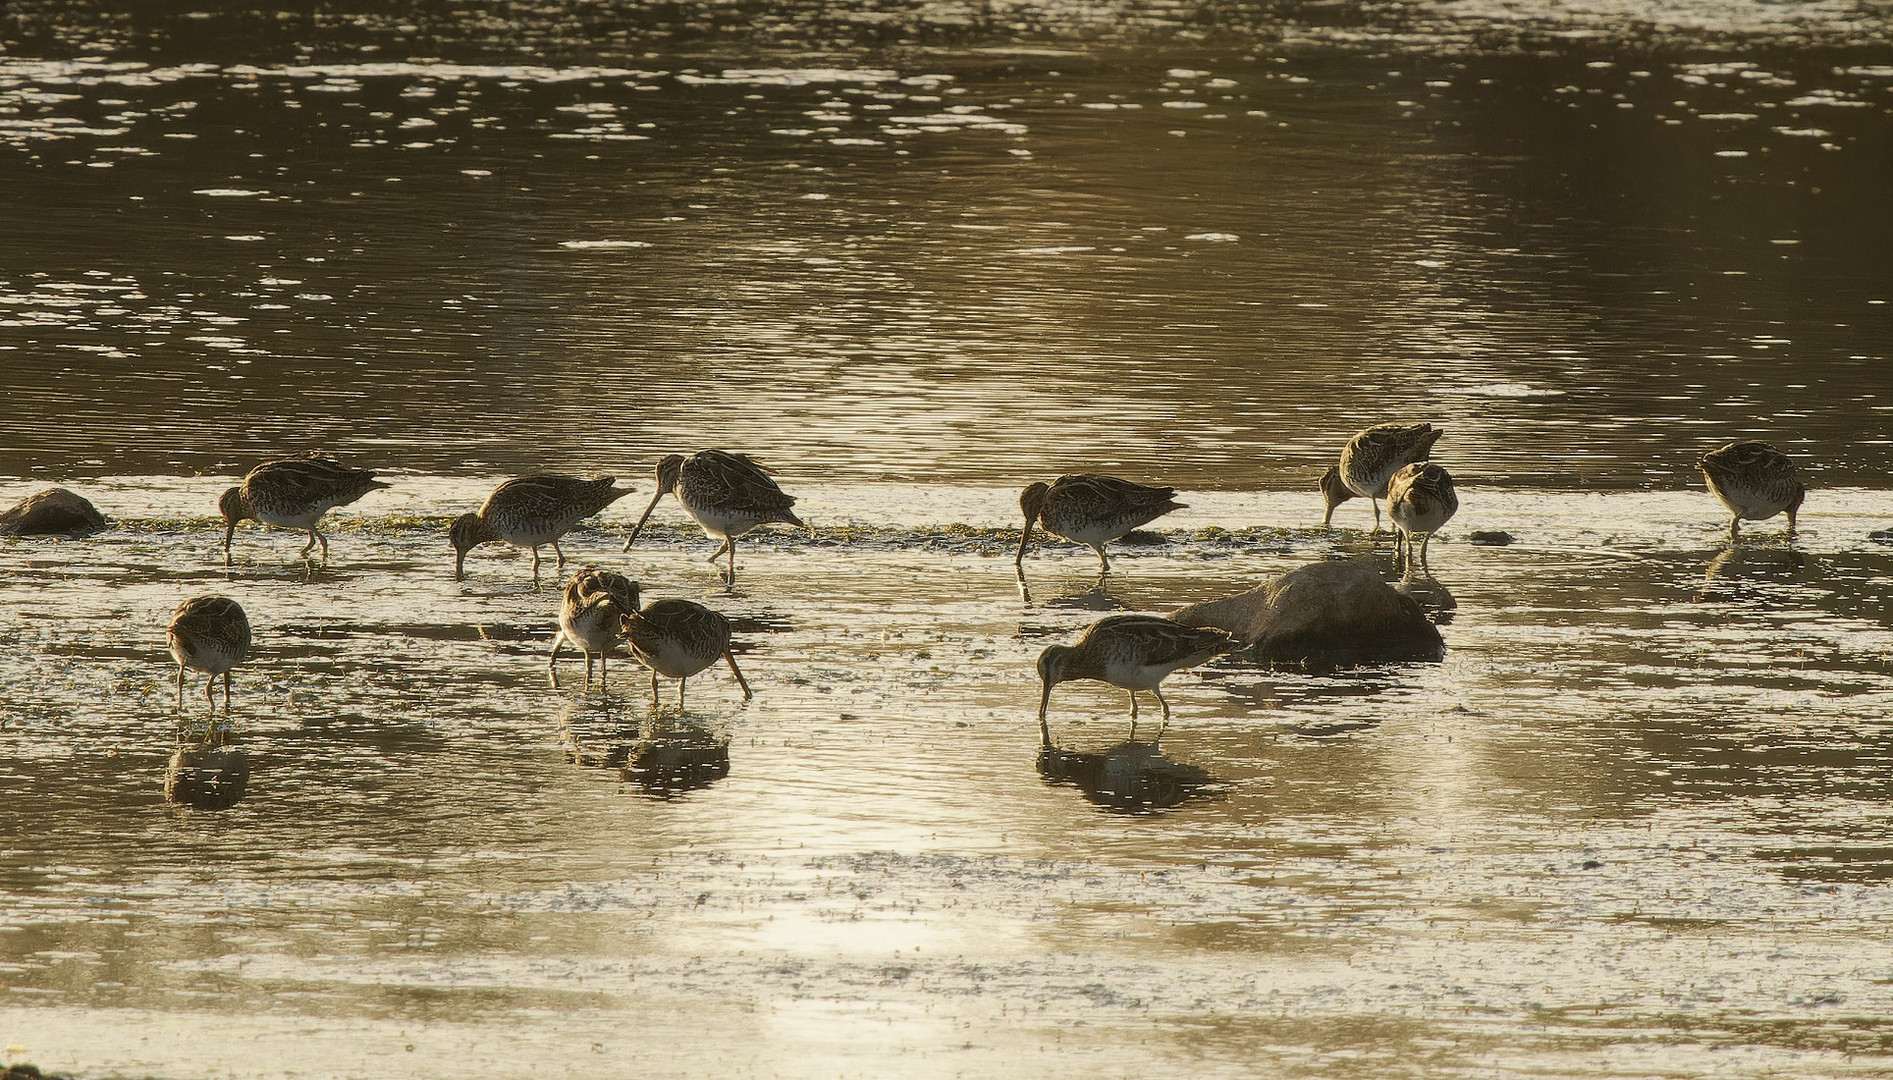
<point>53,512</point>
<point>1327,614</point>
<point>1488,538</point>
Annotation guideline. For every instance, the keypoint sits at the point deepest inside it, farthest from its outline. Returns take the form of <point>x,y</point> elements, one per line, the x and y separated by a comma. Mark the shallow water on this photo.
<point>1633,825</point>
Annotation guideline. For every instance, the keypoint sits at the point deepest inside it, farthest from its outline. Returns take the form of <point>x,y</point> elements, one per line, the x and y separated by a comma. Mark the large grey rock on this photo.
<point>53,512</point>
<point>1324,615</point>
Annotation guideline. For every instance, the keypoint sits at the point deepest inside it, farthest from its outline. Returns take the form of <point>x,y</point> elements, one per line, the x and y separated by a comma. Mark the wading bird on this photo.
<point>1420,499</point>
<point>529,512</point>
<point>1755,481</point>
<point>1370,459</point>
<point>728,495</point>
<point>293,493</point>
<point>1092,510</point>
<point>1133,652</point>
<point>209,634</point>
<point>595,603</point>
<point>679,638</point>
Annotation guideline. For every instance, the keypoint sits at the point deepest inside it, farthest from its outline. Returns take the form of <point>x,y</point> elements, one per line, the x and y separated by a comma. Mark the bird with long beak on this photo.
<point>210,634</point>
<point>727,494</point>
<point>293,493</point>
<point>1133,652</point>
<point>1420,499</point>
<point>1370,459</point>
<point>530,511</point>
<point>678,639</point>
<point>1755,481</point>
<point>590,613</point>
<point>1091,509</point>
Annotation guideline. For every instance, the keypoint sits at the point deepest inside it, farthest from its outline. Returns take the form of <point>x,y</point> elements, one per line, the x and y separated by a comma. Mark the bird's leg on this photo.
<point>1424,544</point>
<point>718,553</point>
<point>210,694</point>
<point>680,694</point>
<point>310,546</point>
<point>1104,562</point>
<point>180,688</point>
<point>731,544</point>
<point>535,564</point>
<point>560,554</point>
<point>552,665</point>
<point>1375,501</point>
<point>1133,694</point>
<point>1791,528</point>
<point>654,701</point>
<point>1735,529</point>
<point>588,669</point>
<point>226,693</point>
<point>1165,722</point>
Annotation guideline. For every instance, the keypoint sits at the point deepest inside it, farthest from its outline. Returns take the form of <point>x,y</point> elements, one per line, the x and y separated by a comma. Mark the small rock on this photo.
<point>53,512</point>
<point>1881,536</point>
<point>1489,538</point>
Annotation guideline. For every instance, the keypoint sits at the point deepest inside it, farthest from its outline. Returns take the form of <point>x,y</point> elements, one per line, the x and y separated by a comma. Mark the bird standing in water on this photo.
<point>1755,481</point>
<point>1420,499</point>
<point>595,603</point>
<point>1370,459</point>
<point>1134,652</point>
<point>728,495</point>
<point>1092,510</point>
<point>679,638</point>
<point>209,634</point>
<point>531,511</point>
<point>293,493</point>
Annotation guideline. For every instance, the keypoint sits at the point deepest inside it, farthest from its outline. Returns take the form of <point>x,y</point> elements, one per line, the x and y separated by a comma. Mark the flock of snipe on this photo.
<point>730,494</point>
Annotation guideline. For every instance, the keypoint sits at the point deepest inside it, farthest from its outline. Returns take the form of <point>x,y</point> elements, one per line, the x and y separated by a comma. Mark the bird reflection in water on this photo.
<point>207,776</point>
<point>1131,777</point>
<point>1748,572</point>
<point>1092,598</point>
<point>1430,593</point>
<point>661,757</point>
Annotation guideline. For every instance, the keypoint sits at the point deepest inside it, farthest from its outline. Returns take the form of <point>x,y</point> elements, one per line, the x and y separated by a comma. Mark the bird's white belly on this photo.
<point>674,661</point>
<point>593,632</point>
<point>1134,676</point>
<point>719,522</point>
<point>208,657</point>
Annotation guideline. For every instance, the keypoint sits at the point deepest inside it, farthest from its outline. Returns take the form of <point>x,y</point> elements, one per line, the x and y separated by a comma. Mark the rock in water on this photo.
<point>1324,615</point>
<point>53,512</point>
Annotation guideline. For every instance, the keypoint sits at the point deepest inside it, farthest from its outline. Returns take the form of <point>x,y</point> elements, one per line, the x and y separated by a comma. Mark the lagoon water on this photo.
<point>1636,824</point>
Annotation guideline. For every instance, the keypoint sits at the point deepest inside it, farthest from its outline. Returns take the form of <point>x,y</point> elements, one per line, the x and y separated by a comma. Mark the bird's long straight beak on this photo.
<point>1025,534</point>
<point>1045,703</point>
<point>460,563</point>
<point>229,534</point>
<point>642,518</point>
<point>734,670</point>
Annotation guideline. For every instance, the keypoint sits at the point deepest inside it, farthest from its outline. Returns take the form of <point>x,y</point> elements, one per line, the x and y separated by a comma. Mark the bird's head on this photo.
<point>1333,492</point>
<point>669,468</point>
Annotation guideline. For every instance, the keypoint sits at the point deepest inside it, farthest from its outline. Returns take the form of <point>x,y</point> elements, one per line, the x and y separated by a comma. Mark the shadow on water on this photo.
<point>1129,778</point>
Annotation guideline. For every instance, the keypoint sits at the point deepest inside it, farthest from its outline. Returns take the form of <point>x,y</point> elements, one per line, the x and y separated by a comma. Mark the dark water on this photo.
<point>1633,826</point>
<point>1207,254</point>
